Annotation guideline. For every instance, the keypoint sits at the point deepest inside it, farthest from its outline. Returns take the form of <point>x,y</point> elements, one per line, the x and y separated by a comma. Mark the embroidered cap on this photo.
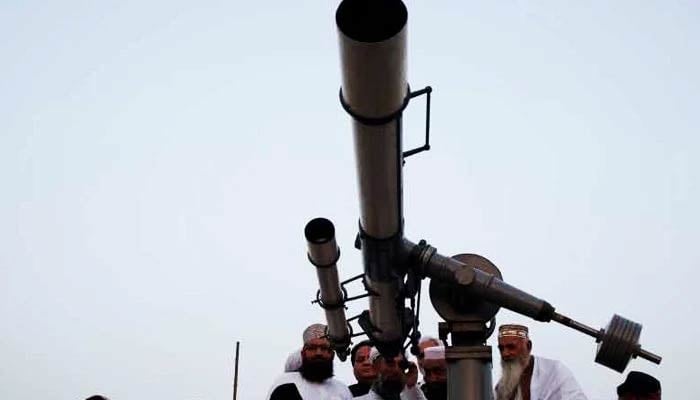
<point>513,330</point>
<point>315,331</point>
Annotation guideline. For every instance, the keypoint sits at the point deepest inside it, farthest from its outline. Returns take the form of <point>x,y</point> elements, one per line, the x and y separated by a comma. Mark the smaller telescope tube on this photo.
<point>324,253</point>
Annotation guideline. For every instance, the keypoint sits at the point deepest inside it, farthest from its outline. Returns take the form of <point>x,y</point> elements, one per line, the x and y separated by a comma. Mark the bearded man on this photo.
<point>435,373</point>
<point>396,379</point>
<point>314,379</point>
<point>525,377</point>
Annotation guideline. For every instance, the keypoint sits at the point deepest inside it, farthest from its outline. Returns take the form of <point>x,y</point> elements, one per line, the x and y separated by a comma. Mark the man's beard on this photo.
<point>510,378</point>
<point>435,390</point>
<point>316,369</point>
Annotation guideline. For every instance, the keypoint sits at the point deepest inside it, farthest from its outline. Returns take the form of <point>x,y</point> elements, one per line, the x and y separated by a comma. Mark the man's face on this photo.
<point>391,370</point>
<point>422,347</point>
<point>435,370</point>
<point>316,360</point>
<point>317,350</point>
<point>514,348</point>
<point>363,369</point>
<point>392,377</point>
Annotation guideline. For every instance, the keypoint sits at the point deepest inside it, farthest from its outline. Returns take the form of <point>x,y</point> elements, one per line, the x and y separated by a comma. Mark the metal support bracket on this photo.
<point>427,90</point>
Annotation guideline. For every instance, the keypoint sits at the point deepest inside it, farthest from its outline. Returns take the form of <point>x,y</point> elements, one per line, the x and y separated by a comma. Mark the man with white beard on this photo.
<point>526,377</point>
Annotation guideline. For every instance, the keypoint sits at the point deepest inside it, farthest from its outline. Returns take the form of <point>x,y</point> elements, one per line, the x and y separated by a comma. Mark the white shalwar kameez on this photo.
<point>552,380</point>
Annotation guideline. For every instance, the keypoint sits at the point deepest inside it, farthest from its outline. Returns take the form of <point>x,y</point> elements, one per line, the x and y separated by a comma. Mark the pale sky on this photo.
<point>159,161</point>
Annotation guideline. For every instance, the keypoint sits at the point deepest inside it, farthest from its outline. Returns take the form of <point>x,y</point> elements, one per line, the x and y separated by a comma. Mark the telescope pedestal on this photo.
<point>468,360</point>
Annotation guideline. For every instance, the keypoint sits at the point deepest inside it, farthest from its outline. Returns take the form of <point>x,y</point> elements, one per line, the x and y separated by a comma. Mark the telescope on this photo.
<point>466,290</point>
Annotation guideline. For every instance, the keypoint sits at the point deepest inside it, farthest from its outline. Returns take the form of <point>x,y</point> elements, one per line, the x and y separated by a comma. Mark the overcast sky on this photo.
<point>159,161</point>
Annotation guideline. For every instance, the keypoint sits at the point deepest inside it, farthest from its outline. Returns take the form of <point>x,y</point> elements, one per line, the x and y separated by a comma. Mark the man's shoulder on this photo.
<point>555,377</point>
<point>284,387</point>
<point>549,363</point>
<point>358,389</point>
<point>547,369</point>
<point>339,387</point>
<point>336,382</point>
<point>287,377</point>
<point>369,396</point>
<point>285,391</point>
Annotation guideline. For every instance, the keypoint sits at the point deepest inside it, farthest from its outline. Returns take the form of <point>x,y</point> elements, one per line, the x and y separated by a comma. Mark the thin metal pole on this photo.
<point>235,374</point>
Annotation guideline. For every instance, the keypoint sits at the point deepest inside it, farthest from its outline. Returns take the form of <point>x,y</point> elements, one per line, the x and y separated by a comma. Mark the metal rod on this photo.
<point>566,321</point>
<point>598,335</point>
<point>235,373</point>
<point>649,356</point>
<point>354,318</point>
<point>427,118</point>
<point>359,296</point>
<point>354,278</point>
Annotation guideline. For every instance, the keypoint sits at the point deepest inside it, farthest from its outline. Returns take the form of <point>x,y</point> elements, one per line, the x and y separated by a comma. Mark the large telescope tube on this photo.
<point>324,254</point>
<point>372,35</point>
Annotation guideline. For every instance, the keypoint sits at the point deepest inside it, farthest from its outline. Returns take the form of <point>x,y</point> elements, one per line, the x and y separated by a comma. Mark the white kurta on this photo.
<point>331,389</point>
<point>552,380</point>
<point>413,393</point>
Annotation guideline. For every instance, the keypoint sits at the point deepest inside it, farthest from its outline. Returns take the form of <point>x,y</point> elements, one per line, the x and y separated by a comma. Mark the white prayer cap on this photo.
<point>293,362</point>
<point>424,339</point>
<point>373,354</point>
<point>314,331</point>
<point>435,353</point>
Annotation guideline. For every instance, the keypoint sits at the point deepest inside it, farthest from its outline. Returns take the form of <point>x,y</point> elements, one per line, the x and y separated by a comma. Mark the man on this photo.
<point>435,373</point>
<point>396,379</point>
<point>314,380</point>
<point>525,376</point>
<point>424,343</point>
<point>639,386</point>
<point>362,368</point>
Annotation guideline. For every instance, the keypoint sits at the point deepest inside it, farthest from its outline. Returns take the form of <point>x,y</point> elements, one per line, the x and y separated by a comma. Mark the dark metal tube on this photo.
<point>487,286</point>
<point>372,37</point>
<point>235,373</point>
<point>323,253</point>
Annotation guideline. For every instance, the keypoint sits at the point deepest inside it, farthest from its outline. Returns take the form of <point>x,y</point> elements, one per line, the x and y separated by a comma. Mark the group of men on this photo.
<point>309,373</point>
